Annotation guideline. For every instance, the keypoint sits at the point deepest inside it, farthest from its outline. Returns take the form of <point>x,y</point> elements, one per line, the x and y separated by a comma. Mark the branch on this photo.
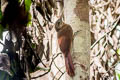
<point>75,33</point>
<point>58,72</point>
<point>61,75</point>
<point>57,68</point>
<point>40,27</point>
<point>114,26</point>
<point>48,69</point>
<point>34,52</point>
<point>2,43</point>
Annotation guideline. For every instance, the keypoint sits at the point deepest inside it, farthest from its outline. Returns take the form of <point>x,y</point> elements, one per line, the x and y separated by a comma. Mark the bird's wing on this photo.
<point>64,43</point>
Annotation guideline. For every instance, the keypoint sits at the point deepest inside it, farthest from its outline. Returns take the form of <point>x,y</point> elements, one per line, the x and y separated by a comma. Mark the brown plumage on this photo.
<point>65,38</point>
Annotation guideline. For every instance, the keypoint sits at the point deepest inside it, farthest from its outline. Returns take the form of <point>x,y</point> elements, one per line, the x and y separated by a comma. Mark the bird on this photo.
<point>65,39</point>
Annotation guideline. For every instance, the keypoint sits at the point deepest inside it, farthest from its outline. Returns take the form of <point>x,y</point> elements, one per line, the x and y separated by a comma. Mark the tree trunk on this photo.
<point>76,14</point>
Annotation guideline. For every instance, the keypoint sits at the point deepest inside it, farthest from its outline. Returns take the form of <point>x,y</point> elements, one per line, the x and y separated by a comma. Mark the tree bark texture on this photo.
<point>76,14</point>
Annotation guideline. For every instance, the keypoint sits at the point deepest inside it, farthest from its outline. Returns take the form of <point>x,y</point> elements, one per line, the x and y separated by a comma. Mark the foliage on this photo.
<point>27,8</point>
<point>1,31</point>
<point>104,25</point>
<point>0,14</point>
<point>1,27</point>
<point>27,5</point>
<point>118,76</point>
<point>3,77</point>
<point>118,51</point>
<point>26,43</point>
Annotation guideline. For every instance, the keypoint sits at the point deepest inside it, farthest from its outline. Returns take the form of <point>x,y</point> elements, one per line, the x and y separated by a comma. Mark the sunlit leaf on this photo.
<point>118,76</point>
<point>29,20</point>
<point>27,5</point>
<point>118,51</point>
<point>19,1</point>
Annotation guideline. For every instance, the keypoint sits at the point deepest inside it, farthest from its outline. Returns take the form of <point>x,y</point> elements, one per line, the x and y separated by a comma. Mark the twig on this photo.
<point>58,71</point>
<point>34,52</point>
<point>104,45</point>
<point>21,3</point>
<point>49,68</point>
<point>98,5</point>
<point>98,52</point>
<point>2,43</point>
<point>61,75</point>
<point>40,27</point>
<point>58,68</point>
<point>114,26</point>
<point>75,33</point>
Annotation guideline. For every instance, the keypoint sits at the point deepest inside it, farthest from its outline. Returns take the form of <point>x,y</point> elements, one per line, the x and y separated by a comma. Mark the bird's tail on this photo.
<point>69,65</point>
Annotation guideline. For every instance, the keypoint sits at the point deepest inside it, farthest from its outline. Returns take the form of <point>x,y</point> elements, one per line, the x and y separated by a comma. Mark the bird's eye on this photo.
<point>58,22</point>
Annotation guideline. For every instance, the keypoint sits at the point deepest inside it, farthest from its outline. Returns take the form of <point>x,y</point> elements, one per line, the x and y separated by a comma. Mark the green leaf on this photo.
<point>40,68</point>
<point>4,75</point>
<point>118,51</point>
<point>49,70</point>
<point>27,5</point>
<point>118,76</point>
<point>0,14</point>
<point>29,20</point>
<point>33,45</point>
<point>19,1</point>
<point>1,27</point>
<point>1,31</point>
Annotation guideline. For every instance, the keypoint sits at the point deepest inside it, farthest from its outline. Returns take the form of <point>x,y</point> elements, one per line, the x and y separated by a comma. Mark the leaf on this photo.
<point>118,10</point>
<point>0,14</point>
<point>1,31</point>
<point>29,20</point>
<point>4,75</point>
<point>118,51</point>
<point>19,1</point>
<point>40,68</point>
<point>110,40</point>
<point>27,5</point>
<point>1,27</point>
<point>118,76</point>
<point>33,45</point>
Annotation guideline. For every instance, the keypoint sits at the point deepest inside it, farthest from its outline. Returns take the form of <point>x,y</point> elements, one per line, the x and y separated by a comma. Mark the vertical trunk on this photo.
<point>76,14</point>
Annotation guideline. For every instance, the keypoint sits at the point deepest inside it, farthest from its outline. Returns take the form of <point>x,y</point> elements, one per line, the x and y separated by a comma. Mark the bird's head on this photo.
<point>58,24</point>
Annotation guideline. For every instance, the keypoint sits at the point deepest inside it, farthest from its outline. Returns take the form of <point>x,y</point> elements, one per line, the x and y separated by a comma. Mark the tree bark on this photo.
<point>76,14</point>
